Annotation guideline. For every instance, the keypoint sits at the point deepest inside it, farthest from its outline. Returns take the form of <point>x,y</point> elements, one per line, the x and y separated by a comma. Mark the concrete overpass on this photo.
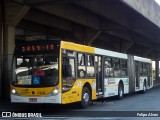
<point>126,26</point>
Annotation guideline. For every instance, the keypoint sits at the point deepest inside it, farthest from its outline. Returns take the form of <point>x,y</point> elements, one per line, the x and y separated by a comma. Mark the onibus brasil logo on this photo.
<point>20,115</point>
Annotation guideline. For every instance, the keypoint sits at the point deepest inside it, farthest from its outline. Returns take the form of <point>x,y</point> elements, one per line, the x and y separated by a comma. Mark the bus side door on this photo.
<point>99,75</point>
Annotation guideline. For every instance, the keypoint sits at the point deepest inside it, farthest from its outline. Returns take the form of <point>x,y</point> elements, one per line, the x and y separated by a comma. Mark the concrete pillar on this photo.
<point>14,12</point>
<point>8,54</point>
<point>157,69</point>
<point>0,61</point>
<point>1,43</point>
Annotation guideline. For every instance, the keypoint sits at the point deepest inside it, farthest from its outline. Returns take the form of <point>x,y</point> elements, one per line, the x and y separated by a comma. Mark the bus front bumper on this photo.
<point>26,99</point>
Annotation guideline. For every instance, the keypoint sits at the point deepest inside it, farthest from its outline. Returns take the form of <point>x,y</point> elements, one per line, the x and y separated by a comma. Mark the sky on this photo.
<point>158,1</point>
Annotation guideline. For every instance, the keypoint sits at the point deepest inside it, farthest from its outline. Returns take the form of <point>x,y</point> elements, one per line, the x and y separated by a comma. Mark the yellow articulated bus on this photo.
<point>62,72</point>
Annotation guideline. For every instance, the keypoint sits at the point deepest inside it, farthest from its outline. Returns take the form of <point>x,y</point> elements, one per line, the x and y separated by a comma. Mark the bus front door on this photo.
<point>99,75</point>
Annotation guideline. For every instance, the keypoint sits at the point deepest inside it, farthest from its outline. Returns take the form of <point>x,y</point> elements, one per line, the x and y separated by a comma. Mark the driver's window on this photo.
<point>68,70</point>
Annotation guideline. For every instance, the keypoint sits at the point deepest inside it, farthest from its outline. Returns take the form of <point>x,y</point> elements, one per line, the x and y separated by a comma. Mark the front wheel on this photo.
<point>85,102</point>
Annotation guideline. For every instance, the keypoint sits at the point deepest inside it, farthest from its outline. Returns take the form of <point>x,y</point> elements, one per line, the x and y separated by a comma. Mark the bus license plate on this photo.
<point>32,99</point>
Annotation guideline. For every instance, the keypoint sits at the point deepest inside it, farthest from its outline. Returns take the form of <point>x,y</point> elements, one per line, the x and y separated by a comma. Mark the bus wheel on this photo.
<point>120,92</point>
<point>144,88</point>
<point>85,102</point>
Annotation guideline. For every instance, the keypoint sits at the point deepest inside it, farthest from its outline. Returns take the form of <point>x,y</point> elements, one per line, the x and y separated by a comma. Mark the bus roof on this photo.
<point>110,53</point>
<point>142,59</point>
<point>77,47</point>
<point>99,51</point>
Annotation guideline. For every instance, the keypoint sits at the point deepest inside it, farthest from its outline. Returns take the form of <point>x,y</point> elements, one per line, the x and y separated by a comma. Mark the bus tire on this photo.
<point>144,88</point>
<point>86,97</point>
<point>120,92</point>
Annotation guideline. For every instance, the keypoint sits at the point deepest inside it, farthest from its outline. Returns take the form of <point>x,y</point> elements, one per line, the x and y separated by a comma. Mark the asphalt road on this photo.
<point>135,107</point>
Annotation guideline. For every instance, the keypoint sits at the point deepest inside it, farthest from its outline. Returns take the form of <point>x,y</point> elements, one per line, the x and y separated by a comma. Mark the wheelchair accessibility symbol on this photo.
<point>36,80</point>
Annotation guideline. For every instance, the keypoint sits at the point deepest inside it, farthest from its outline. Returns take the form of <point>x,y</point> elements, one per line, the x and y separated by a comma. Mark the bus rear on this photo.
<point>35,72</point>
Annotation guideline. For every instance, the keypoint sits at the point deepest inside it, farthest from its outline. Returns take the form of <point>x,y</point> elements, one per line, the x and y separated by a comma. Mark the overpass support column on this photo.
<point>157,70</point>
<point>8,54</point>
<point>17,11</point>
<point>1,42</point>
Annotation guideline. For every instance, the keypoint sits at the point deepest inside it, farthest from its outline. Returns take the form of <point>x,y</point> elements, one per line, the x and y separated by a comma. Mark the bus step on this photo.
<point>99,96</point>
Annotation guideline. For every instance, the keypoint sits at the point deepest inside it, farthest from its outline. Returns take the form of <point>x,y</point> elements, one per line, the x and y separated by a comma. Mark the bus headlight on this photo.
<point>55,91</point>
<point>13,91</point>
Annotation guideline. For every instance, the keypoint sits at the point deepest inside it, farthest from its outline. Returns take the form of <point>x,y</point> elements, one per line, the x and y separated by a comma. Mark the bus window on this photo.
<point>123,67</point>
<point>116,62</point>
<point>81,65</point>
<point>68,73</point>
<point>144,69</point>
<point>81,59</point>
<point>108,62</point>
<point>68,63</point>
<point>124,73</point>
<point>90,66</point>
<point>108,67</point>
<point>111,72</point>
<point>32,68</point>
<point>117,72</point>
<point>123,63</point>
<point>66,68</point>
<point>140,68</point>
<point>90,60</point>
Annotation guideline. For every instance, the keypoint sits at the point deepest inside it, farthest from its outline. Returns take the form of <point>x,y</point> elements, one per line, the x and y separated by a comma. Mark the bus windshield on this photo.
<point>35,63</point>
<point>35,70</point>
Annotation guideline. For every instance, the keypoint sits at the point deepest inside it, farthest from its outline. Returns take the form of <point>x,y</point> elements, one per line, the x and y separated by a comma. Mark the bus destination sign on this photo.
<point>33,48</point>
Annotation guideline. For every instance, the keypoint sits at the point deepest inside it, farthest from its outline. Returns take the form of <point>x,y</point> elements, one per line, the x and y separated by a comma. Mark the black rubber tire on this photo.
<point>86,97</point>
<point>120,92</point>
<point>144,88</point>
